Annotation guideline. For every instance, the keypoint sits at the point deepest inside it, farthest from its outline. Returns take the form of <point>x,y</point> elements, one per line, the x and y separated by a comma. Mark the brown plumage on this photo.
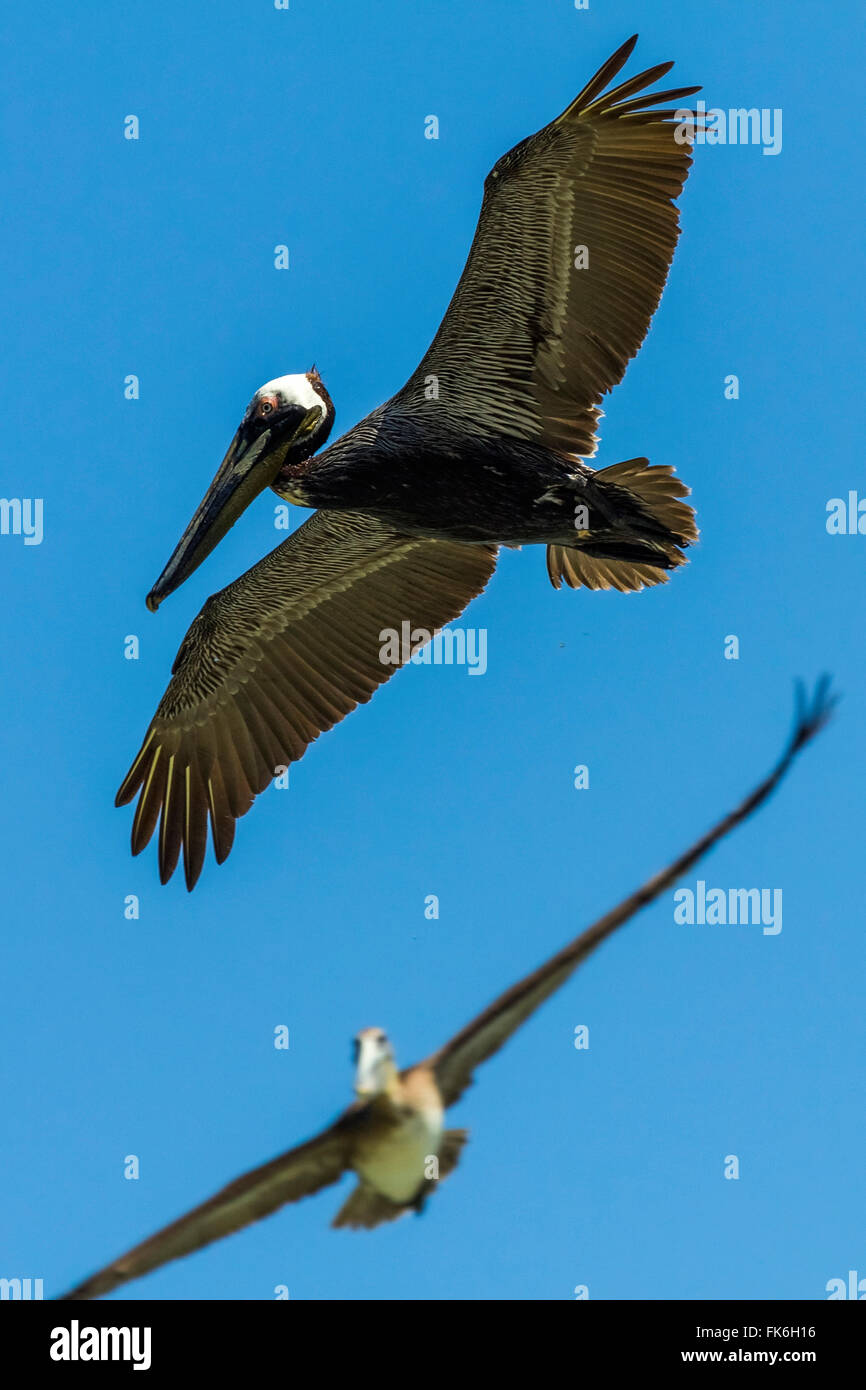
<point>415,500</point>
<point>274,659</point>
<point>393,1137</point>
<point>529,343</point>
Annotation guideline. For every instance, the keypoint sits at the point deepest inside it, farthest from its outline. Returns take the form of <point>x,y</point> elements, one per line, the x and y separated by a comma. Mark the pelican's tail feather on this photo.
<point>365,1208</point>
<point>635,529</point>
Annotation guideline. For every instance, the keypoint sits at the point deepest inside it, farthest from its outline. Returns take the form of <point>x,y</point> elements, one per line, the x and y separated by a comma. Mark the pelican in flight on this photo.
<point>393,1136</point>
<point>482,447</point>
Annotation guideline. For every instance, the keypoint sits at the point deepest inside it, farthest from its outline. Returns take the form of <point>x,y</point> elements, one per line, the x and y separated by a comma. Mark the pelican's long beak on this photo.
<point>246,470</point>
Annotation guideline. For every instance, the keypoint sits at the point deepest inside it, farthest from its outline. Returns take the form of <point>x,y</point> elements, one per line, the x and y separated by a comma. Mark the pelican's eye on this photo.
<point>266,406</point>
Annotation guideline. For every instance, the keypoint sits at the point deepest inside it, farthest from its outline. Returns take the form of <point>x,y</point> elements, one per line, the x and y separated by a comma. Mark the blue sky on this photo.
<point>154,1037</point>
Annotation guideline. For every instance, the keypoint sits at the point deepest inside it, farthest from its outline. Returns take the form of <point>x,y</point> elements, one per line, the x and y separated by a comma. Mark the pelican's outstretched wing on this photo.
<point>275,658</point>
<point>575,236</point>
<point>298,1173</point>
<point>454,1063</point>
